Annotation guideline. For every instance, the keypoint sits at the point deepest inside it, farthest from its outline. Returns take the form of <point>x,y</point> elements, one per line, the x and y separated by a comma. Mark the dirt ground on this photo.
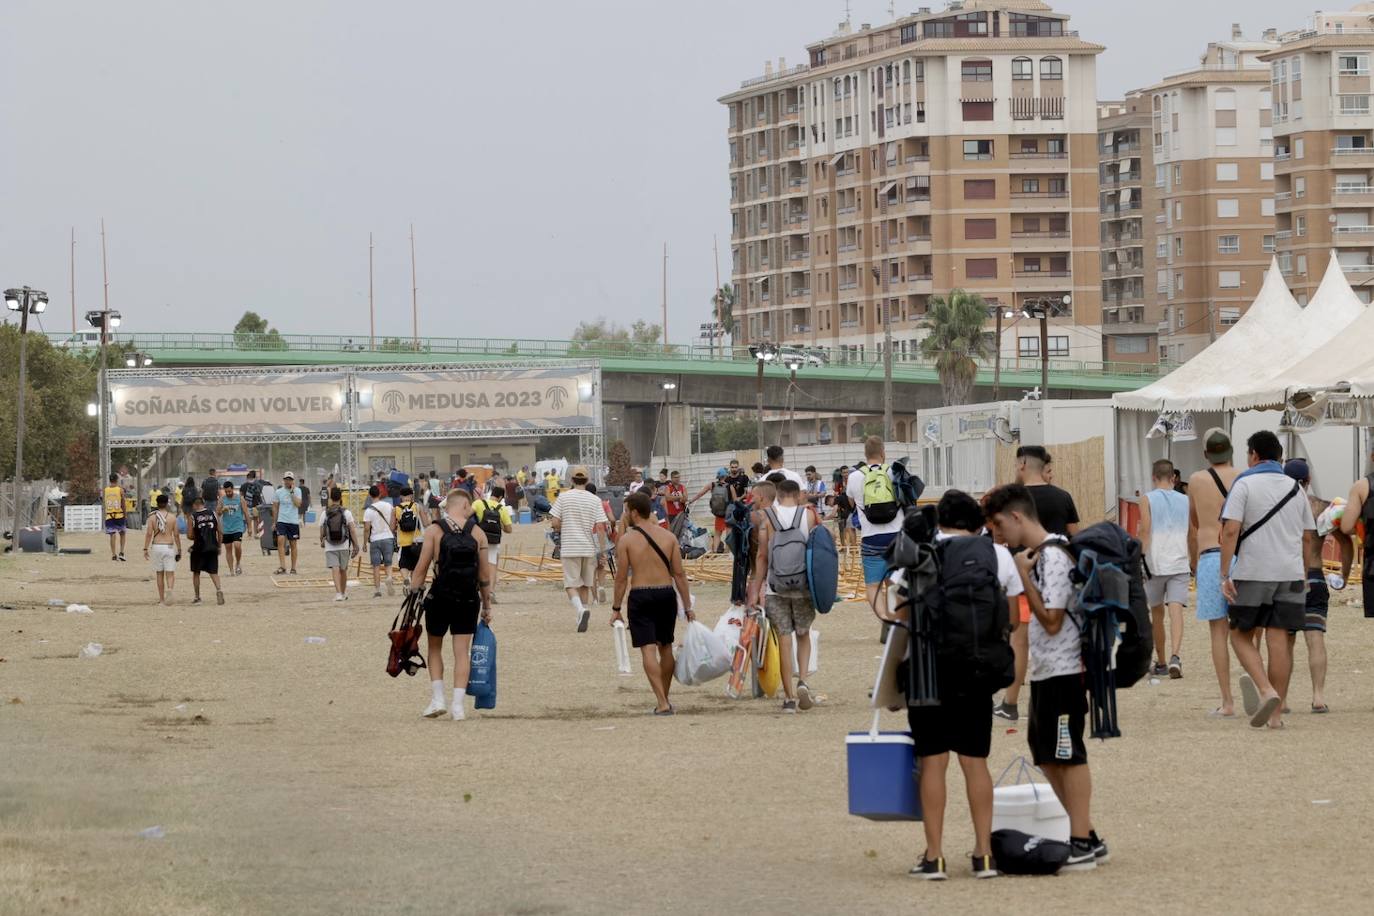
<point>299,778</point>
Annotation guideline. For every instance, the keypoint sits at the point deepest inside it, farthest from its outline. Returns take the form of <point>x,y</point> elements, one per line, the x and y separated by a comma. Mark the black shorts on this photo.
<point>1318,602</point>
<point>231,537</point>
<point>962,725</point>
<point>652,615</point>
<point>454,615</point>
<point>1282,605</point>
<point>207,562</point>
<point>1058,712</point>
<point>410,556</point>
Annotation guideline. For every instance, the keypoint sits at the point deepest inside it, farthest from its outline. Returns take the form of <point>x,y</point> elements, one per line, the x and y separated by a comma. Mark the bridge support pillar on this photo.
<point>652,429</point>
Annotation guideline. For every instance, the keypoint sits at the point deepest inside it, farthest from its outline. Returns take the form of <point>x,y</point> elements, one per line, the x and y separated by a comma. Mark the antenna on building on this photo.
<point>846,12</point>
<point>892,9</point>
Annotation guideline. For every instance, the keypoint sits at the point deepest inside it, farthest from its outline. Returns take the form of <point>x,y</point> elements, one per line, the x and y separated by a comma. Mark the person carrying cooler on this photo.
<point>649,557</point>
<point>460,592</point>
<point>205,547</point>
<point>495,519</point>
<point>116,521</point>
<point>781,585</point>
<point>339,538</point>
<point>162,546</point>
<point>232,522</point>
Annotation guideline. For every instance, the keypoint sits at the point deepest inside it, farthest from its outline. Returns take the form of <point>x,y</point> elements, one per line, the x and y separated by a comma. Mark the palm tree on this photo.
<point>956,342</point>
<point>723,304</point>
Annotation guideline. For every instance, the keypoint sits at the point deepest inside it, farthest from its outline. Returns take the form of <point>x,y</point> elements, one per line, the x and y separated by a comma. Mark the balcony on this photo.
<point>1354,236</point>
<point>849,322</point>
<point>794,219</point>
<point>1039,154</point>
<point>1123,270</point>
<point>1354,156</point>
<point>1351,195</point>
<point>1283,195</point>
<point>1124,328</point>
<point>1028,200</point>
<point>799,255</point>
<point>799,292</point>
<point>1041,279</point>
<point>912,244</point>
<point>1122,241</point>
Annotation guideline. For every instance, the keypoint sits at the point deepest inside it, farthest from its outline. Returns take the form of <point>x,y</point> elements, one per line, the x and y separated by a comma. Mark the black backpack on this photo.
<point>1018,853</point>
<point>968,616</point>
<point>491,521</point>
<point>305,497</point>
<point>209,490</point>
<point>408,521</point>
<point>720,498</point>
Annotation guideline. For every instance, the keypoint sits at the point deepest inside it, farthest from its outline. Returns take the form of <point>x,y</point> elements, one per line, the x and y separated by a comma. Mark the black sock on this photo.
<point>1092,835</point>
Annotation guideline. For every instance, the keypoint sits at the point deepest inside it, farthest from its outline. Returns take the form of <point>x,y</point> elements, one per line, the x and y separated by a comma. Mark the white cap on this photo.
<point>288,476</point>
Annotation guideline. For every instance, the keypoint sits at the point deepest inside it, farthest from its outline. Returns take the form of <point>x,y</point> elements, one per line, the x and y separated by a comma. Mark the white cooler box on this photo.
<point>1030,807</point>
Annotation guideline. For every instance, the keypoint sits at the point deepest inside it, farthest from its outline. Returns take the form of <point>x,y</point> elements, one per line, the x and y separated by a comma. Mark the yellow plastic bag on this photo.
<point>770,675</point>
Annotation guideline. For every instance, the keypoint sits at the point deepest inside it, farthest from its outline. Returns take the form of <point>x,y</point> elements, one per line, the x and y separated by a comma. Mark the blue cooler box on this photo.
<point>524,517</point>
<point>882,776</point>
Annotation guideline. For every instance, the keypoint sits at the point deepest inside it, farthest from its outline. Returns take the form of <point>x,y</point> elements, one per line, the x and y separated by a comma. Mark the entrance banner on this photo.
<point>534,399</point>
<point>188,405</point>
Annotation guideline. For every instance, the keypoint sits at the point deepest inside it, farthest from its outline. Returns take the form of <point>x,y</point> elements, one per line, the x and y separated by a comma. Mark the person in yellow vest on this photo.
<point>521,476</point>
<point>494,517</point>
<point>551,486</point>
<point>116,521</point>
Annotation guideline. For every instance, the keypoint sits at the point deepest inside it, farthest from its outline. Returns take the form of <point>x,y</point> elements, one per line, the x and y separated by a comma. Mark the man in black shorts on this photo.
<point>205,547</point>
<point>649,555</point>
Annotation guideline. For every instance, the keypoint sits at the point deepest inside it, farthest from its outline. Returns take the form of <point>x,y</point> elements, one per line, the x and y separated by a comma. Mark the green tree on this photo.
<point>59,385</point>
<point>956,342</point>
<point>594,338</point>
<point>729,434</point>
<point>252,333</point>
<point>723,309</point>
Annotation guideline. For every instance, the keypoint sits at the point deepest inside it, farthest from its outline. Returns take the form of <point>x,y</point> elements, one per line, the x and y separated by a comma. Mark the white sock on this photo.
<point>458,697</point>
<point>438,688</point>
<point>577,605</point>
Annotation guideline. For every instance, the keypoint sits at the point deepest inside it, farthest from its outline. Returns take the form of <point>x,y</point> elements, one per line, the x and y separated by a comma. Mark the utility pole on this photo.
<point>414,294</point>
<point>74,290</point>
<point>719,330</point>
<point>103,415</point>
<point>997,359</point>
<point>665,297</point>
<point>887,354</point>
<point>758,398</point>
<point>1211,324</point>
<point>1044,353</point>
<point>371,313</point>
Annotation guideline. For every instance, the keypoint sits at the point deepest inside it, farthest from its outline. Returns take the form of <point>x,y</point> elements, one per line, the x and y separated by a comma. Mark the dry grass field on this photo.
<point>298,778</point>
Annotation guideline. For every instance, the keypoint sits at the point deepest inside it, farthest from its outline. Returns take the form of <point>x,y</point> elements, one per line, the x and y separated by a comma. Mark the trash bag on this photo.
<point>482,679</point>
<point>728,628</point>
<point>702,657</point>
<point>770,675</point>
<point>1018,853</point>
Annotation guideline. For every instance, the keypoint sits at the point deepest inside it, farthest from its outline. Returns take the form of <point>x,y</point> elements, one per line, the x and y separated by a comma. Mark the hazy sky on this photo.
<point>241,152</point>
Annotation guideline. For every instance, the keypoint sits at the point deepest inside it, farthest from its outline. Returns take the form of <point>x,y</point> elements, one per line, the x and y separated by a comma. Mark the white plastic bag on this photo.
<point>728,628</point>
<point>622,648</point>
<point>702,657</point>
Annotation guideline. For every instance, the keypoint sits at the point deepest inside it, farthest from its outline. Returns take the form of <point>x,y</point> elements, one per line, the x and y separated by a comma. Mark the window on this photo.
<point>1228,244</point>
<point>1299,147</point>
<point>1059,345</point>
<point>1022,69</point>
<point>1228,171</point>
<point>1226,136</point>
<point>920,71</point>
<point>1302,264</point>
<point>1178,246</point>
<point>980,189</point>
<point>1296,62</point>
<point>1353,64</point>
<point>1162,248</point>
<point>1178,211</point>
<point>1266,171</point>
<point>977,111</point>
<point>1055,146</point>
<point>980,228</point>
<point>1030,185</point>
<point>1028,346</point>
<point>1178,174</point>
<point>976,71</point>
<point>1228,208</point>
<point>1354,104</point>
<point>1125,345</point>
<point>1267,207</point>
<point>909,33</point>
<point>980,268</point>
<point>1181,316</point>
<point>1299,186</point>
<point>1228,279</point>
<point>1229,315</point>
<point>1299,225</point>
<point>1178,282</point>
<point>1224,100</point>
<point>1268,244</point>
<point>1161,280</point>
<point>1057,186</point>
<point>977,149</point>
<point>1051,68</point>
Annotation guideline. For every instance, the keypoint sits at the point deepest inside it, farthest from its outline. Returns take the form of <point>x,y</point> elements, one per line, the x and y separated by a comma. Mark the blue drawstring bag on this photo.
<point>482,679</point>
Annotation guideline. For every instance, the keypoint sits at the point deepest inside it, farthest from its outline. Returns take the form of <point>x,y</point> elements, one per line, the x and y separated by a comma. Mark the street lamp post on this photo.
<point>104,319</point>
<point>764,353</point>
<point>1043,309</point>
<point>793,362</point>
<point>887,358</point>
<point>1000,313</point>
<point>26,302</point>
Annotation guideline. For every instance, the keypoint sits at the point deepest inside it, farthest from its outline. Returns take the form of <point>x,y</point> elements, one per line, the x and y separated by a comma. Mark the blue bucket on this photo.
<point>882,776</point>
<point>524,516</point>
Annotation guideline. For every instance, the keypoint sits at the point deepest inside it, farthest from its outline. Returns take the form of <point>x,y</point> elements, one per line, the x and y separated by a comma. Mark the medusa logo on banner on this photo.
<point>392,401</point>
<point>557,394</point>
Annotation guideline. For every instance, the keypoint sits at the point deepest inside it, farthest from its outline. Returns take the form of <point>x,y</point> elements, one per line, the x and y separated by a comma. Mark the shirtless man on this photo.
<point>1359,506</point>
<point>649,556</point>
<point>164,541</point>
<point>1207,490</point>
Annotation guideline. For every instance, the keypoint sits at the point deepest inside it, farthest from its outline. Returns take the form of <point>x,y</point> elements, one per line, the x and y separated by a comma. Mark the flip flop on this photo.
<point>280,572</point>
<point>1266,709</point>
<point>1218,714</point>
<point>661,712</point>
<point>1280,727</point>
<point>1249,694</point>
<point>1320,710</point>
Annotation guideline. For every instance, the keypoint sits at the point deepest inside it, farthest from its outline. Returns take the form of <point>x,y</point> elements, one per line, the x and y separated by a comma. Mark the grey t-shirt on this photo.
<point>1274,552</point>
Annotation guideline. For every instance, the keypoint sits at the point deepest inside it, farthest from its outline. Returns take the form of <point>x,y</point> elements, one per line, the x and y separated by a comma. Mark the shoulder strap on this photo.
<point>1274,510</point>
<point>658,550</point>
<point>469,525</point>
<point>1216,479</point>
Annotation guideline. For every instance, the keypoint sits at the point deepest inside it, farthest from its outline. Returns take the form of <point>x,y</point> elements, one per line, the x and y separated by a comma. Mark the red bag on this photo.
<point>405,637</point>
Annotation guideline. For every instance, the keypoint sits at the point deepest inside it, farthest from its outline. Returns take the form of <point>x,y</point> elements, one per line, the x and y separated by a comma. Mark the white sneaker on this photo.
<point>339,597</point>
<point>434,710</point>
<point>456,713</point>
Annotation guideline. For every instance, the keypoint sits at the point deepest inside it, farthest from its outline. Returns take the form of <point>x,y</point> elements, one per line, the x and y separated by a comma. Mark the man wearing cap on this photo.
<point>287,506</point>
<point>580,520</point>
<point>1268,529</point>
<point>1207,490</point>
<point>1318,585</point>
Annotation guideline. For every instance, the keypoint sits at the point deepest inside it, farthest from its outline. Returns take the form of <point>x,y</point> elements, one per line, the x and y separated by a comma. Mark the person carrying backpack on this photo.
<point>495,519</point>
<point>408,522</point>
<point>339,538</point>
<point>978,585</point>
<point>781,585</point>
<point>718,491</point>
<point>1058,700</point>
<point>209,491</point>
<point>874,496</point>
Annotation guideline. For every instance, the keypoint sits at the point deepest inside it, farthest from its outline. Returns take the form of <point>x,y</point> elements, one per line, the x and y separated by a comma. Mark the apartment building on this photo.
<point>944,149</point>
<point>1324,149</point>
<point>1130,311</point>
<point>1214,207</point>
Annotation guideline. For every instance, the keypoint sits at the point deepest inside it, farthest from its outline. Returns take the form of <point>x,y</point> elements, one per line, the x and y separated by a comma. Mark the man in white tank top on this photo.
<point>787,613</point>
<point>1164,537</point>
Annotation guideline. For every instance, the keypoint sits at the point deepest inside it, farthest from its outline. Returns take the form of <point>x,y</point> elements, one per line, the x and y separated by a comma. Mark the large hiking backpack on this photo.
<point>968,610</point>
<point>787,557</point>
<point>491,521</point>
<point>1109,608</point>
<point>880,496</point>
<point>720,498</point>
